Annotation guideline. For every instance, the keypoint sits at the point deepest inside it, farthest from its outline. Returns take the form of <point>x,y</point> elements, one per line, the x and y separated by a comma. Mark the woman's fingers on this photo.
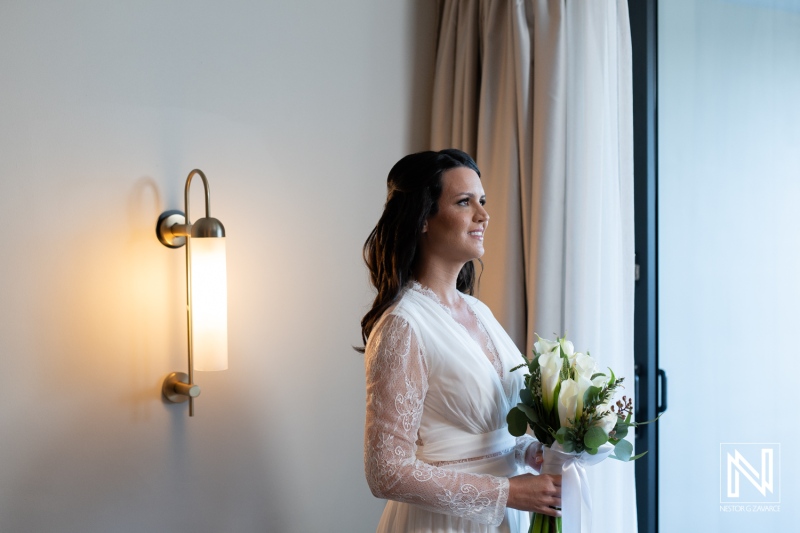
<point>541,494</point>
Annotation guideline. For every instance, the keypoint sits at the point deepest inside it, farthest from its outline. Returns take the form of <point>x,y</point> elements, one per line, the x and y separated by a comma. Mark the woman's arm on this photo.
<point>397,383</point>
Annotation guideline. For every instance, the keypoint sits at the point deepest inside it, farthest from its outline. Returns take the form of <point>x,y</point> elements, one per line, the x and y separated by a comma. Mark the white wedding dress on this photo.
<point>436,441</point>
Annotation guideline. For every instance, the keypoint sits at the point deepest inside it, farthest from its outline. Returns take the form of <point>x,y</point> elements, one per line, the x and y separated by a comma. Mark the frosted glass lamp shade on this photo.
<point>209,303</point>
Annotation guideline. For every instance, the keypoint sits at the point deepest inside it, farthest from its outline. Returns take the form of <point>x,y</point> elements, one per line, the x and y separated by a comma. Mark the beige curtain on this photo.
<point>482,104</point>
<point>539,92</point>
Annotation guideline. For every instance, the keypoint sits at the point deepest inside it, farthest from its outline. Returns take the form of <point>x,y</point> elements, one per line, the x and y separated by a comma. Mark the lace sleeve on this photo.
<point>397,383</point>
<point>525,451</point>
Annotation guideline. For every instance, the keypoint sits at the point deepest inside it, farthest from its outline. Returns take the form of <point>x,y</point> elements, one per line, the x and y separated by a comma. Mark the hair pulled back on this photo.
<point>414,187</point>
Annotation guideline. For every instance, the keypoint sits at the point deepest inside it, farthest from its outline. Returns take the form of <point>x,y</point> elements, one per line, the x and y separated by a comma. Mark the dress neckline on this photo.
<point>415,285</point>
<point>489,349</point>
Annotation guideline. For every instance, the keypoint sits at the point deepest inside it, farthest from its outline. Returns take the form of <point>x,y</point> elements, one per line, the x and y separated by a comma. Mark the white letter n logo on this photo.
<point>740,464</point>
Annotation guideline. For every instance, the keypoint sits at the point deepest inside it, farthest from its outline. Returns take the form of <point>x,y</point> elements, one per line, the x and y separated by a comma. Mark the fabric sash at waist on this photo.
<point>467,446</point>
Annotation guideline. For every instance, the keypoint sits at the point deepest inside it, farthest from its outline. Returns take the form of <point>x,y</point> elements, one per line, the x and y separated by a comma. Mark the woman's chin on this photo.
<point>478,254</point>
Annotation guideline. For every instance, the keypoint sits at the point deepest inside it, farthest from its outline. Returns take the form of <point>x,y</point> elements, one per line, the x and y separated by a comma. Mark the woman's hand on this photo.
<point>540,494</point>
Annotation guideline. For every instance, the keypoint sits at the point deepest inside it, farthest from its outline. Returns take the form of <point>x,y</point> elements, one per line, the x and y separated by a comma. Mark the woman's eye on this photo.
<point>463,201</point>
<point>483,201</point>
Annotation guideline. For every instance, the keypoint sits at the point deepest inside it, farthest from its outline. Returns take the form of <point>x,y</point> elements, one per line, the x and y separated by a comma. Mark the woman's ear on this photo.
<point>425,227</point>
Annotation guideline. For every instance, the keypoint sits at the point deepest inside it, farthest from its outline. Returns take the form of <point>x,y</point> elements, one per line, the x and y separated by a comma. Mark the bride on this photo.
<point>438,365</point>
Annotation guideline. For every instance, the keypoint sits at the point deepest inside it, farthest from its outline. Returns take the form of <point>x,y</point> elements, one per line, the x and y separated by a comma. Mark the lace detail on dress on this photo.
<point>498,366</point>
<point>488,456</point>
<point>397,382</point>
<point>524,452</point>
<point>488,346</point>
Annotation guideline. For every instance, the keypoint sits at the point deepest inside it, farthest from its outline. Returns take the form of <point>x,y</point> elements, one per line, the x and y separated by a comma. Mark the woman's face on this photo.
<point>455,232</point>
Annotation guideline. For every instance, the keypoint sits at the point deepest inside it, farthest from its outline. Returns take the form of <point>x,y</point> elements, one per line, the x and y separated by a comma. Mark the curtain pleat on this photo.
<point>539,92</point>
<point>481,105</point>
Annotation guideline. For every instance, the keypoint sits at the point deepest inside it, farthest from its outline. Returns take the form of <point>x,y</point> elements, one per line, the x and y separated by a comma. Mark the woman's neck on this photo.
<point>442,281</point>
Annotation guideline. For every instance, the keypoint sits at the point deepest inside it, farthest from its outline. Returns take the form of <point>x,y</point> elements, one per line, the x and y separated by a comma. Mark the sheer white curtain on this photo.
<point>539,91</point>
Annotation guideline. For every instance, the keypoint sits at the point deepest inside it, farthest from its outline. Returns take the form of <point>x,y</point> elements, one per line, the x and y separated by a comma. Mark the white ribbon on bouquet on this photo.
<point>576,500</point>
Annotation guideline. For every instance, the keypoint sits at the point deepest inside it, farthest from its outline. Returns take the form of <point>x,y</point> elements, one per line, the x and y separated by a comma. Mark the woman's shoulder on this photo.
<point>397,316</point>
<point>395,335</point>
<point>402,307</point>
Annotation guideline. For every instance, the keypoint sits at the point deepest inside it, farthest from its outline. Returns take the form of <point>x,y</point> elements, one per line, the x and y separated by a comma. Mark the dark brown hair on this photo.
<point>414,187</point>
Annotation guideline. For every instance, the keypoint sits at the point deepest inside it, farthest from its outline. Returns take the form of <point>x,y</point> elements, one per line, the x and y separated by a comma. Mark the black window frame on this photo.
<point>649,399</point>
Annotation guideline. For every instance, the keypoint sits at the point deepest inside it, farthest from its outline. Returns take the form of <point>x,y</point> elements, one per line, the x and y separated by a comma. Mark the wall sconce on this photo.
<point>206,292</point>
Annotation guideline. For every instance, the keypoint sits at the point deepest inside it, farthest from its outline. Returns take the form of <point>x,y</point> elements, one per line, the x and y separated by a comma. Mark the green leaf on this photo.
<point>623,450</point>
<point>613,378</point>
<point>591,451</point>
<point>568,446</point>
<point>517,422</point>
<point>561,435</point>
<point>596,375</point>
<point>530,412</point>
<point>595,437</point>
<point>565,368</point>
<point>526,397</point>
<point>638,455</point>
<point>591,395</point>
<point>556,392</point>
<point>620,431</point>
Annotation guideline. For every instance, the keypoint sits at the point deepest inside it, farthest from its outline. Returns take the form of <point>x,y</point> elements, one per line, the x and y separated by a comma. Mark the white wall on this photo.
<point>295,111</point>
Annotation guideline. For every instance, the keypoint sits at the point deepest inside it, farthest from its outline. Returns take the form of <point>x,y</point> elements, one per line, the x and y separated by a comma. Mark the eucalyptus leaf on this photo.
<point>620,431</point>
<point>591,451</point>
<point>623,450</point>
<point>568,446</point>
<point>561,435</point>
<point>638,455</point>
<point>530,412</point>
<point>517,422</point>
<point>595,437</point>
<point>526,397</point>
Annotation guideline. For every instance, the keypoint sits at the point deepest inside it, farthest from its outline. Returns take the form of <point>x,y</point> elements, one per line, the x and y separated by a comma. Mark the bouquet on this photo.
<point>570,407</point>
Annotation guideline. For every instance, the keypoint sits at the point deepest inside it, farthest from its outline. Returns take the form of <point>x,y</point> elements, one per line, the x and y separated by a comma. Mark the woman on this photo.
<point>438,365</point>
